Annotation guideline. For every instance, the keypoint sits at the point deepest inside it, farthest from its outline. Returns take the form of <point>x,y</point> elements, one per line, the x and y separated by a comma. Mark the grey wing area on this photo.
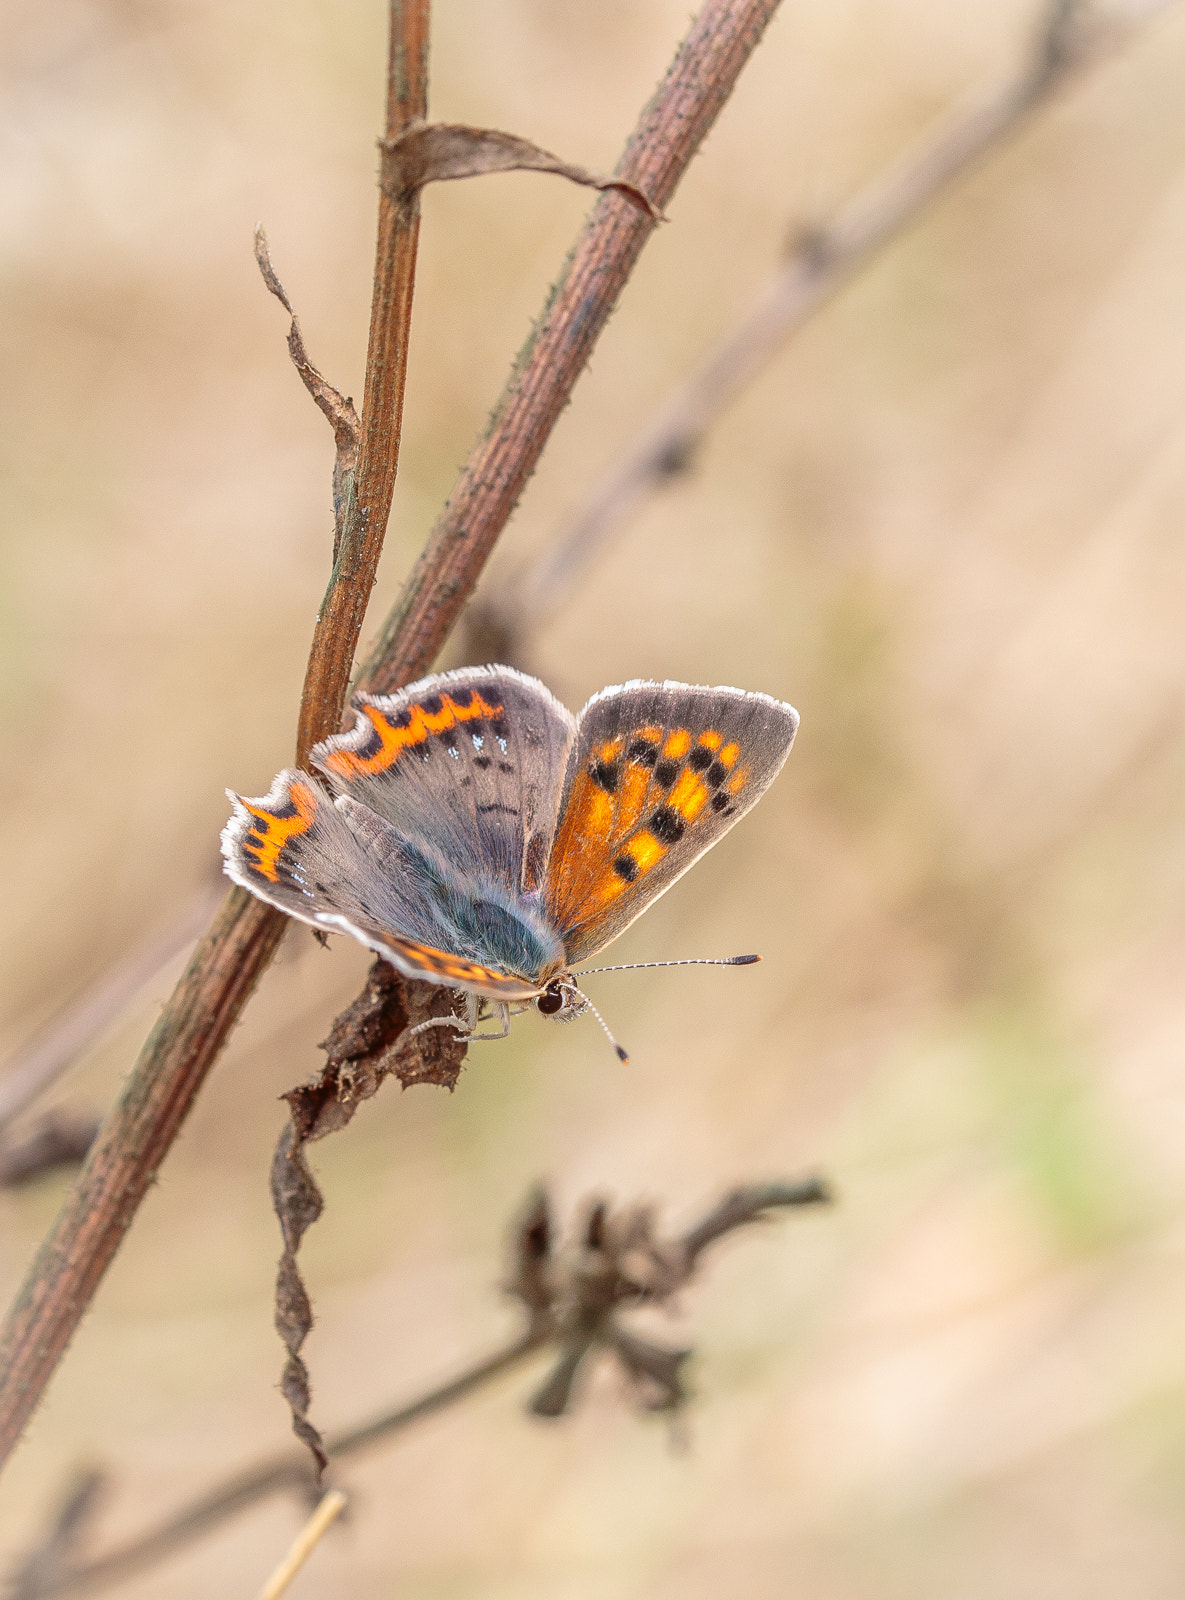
<point>658,773</point>
<point>340,867</point>
<point>470,762</point>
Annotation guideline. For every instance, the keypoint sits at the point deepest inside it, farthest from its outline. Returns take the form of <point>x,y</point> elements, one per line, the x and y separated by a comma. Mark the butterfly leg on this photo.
<point>464,1025</point>
<point>475,1013</point>
<point>500,1010</point>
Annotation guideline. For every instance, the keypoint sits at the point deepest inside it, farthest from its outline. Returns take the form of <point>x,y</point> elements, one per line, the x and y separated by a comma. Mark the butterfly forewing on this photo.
<point>471,762</point>
<point>657,774</point>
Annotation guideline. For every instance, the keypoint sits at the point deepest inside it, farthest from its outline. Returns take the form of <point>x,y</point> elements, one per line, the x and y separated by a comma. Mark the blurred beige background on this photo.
<point>946,524</point>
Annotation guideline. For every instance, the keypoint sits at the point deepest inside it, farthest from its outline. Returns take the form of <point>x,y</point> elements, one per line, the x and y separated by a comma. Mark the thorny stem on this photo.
<point>228,961</point>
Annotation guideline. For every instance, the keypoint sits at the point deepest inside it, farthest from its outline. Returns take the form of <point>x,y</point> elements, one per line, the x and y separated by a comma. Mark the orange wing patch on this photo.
<point>635,799</point>
<point>459,973</point>
<point>270,831</point>
<point>380,747</point>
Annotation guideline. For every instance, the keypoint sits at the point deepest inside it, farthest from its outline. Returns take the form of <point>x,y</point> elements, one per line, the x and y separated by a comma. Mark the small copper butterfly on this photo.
<point>484,838</point>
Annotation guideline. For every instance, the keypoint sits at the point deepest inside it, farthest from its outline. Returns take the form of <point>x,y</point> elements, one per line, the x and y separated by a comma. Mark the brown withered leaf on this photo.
<point>297,1201</point>
<point>368,1042</point>
<point>337,408</point>
<point>436,151</point>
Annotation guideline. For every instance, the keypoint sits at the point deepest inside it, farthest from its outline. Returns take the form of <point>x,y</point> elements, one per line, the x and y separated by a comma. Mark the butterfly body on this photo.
<point>483,838</point>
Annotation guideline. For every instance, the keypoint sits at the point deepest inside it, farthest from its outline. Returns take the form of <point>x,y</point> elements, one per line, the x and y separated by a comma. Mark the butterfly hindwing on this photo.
<point>657,774</point>
<point>470,761</point>
<point>342,868</point>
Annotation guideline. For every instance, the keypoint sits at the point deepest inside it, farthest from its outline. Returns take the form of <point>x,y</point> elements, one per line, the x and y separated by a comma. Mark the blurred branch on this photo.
<point>228,961</point>
<point>571,1301</point>
<point>56,1139</point>
<point>1072,35</point>
<point>56,1046</point>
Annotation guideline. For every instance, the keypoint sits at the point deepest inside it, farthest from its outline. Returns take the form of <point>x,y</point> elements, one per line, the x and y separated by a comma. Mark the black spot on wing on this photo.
<point>716,774</point>
<point>699,758</point>
<point>643,751</point>
<point>606,775</point>
<point>667,826</point>
<point>665,773</point>
<point>626,867</point>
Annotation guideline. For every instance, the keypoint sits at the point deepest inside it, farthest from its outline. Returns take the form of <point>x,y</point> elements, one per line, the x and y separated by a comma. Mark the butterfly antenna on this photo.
<point>621,1054</point>
<point>692,961</point>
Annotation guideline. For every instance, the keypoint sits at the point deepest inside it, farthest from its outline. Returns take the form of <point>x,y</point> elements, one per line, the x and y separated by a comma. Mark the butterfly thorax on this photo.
<point>505,931</point>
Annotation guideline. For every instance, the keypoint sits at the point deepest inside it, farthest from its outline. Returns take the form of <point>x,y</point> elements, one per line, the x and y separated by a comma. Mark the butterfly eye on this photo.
<point>551,1000</point>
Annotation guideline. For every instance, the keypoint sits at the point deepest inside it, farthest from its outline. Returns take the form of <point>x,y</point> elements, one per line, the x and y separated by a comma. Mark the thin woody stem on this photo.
<point>228,961</point>
<point>671,129</point>
<point>368,503</point>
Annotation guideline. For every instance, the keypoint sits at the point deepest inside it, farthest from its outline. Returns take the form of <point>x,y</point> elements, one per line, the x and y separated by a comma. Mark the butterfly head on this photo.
<point>562,1000</point>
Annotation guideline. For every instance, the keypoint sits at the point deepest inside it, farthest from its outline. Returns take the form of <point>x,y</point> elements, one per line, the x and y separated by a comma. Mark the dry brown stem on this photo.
<point>1071,36</point>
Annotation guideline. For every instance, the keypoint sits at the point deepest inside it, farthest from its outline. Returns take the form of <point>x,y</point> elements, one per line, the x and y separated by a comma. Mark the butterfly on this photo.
<point>481,837</point>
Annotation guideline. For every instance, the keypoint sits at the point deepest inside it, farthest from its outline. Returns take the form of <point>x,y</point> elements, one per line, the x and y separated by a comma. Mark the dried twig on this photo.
<point>572,1300</point>
<point>229,959</point>
<point>1072,36</point>
<point>329,1508</point>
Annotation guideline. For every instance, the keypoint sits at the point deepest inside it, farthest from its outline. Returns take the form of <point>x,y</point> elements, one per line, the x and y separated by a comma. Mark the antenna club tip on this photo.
<point>742,961</point>
<point>621,1054</point>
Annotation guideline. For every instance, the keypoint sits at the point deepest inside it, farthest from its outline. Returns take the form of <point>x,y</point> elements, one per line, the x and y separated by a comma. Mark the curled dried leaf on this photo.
<point>436,151</point>
<point>338,409</point>
<point>369,1042</point>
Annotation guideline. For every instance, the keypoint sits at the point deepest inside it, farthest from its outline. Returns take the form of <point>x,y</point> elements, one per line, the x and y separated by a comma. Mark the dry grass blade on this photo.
<point>306,1541</point>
